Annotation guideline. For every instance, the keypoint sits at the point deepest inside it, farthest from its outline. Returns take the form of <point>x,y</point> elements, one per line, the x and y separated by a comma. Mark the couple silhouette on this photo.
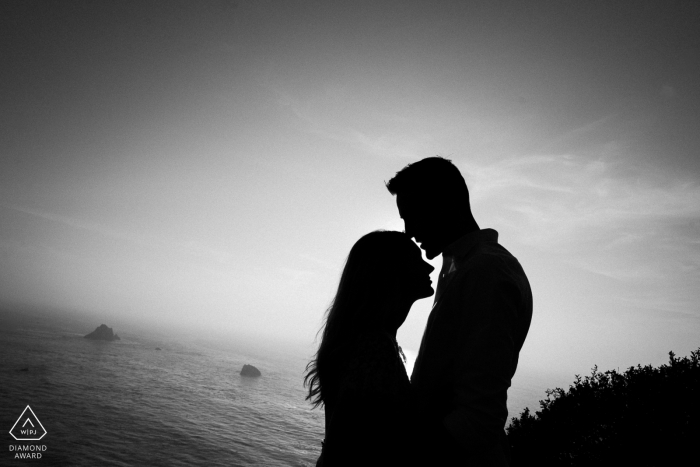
<point>453,410</point>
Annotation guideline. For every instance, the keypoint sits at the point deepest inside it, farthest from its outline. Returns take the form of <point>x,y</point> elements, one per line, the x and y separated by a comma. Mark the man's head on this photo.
<point>433,201</point>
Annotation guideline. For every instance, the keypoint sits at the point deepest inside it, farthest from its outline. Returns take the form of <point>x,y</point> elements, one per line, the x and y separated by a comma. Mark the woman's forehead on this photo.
<point>408,247</point>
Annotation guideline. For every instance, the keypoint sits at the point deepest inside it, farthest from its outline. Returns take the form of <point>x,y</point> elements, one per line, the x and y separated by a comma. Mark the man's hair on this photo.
<point>431,177</point>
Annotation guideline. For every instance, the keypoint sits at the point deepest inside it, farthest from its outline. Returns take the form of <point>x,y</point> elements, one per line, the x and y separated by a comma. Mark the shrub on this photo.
<point>643,417</point>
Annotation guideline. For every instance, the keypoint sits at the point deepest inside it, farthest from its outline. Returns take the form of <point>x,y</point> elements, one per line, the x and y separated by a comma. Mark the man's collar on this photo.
<point>461,246</point>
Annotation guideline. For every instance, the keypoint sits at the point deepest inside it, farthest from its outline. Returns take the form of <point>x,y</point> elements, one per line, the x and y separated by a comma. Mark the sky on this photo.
<point>209,164</point>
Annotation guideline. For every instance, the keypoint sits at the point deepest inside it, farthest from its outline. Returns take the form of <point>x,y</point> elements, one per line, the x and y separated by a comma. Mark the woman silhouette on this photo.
<point>357,373</point>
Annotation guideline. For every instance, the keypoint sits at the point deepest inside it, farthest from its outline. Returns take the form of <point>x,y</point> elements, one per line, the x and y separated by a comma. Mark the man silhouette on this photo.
<point>480,317</point>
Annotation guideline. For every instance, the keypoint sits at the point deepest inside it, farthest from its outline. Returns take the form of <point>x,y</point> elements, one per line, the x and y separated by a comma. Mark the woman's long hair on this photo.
<point>365,294</point>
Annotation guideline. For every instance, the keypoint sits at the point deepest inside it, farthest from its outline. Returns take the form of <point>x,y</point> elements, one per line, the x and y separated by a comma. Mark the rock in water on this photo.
<point>103,333</point>
<point>250,370</point>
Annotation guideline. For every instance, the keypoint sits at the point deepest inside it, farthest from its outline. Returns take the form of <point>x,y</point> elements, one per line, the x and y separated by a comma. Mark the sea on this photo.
<point>154,400</point>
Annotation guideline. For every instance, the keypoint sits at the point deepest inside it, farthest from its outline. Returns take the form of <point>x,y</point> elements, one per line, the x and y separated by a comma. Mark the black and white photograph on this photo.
<point>321,233</point>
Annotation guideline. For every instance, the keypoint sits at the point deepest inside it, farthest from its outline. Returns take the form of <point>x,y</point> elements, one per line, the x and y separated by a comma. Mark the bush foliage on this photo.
<point>643,417</point>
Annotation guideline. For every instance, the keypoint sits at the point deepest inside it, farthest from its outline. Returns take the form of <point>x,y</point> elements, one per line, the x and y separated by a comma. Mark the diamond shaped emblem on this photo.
<point>28,427</point>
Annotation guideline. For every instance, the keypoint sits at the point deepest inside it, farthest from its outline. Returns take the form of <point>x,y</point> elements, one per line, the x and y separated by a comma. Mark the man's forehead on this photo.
<point>403,204</point>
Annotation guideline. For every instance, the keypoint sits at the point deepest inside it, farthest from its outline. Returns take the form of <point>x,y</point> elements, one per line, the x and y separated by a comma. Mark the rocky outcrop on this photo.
<point>250,370</point>
<point>103,333</point>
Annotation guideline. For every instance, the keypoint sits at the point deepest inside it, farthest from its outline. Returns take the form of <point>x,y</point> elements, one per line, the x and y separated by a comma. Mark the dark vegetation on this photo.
<point>645,416</point>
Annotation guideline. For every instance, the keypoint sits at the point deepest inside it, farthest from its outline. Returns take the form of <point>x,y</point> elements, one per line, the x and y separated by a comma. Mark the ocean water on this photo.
<point>124,403</point>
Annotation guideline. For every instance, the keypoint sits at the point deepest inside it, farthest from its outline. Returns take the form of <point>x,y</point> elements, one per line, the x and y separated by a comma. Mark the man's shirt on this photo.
<point>470,347</point>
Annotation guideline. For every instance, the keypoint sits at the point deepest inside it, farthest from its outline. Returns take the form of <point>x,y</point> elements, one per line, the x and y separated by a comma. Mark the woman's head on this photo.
<point>384,270</point>
<point>383,275</point>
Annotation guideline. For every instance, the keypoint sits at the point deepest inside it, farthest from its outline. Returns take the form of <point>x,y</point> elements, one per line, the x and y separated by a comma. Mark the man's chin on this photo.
<point>430,253</point>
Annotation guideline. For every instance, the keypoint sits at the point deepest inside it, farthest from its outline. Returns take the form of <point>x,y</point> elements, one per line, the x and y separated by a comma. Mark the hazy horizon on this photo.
<point>208,165</point>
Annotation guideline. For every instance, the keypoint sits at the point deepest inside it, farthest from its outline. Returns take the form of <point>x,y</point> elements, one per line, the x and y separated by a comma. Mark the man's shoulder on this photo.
<point>489,257</point>
<point>491,264</point>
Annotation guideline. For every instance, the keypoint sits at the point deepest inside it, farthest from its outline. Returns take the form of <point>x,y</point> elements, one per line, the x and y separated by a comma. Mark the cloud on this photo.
<point>335,115</point>
<point>561,194</point>
<point>391,144</point>
<point>582,131</point>
<point>192,249</point>
<point>617,218</point>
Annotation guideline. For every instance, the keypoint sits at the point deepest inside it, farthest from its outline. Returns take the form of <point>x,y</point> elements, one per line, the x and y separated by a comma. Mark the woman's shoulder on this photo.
<point>373,349</point>
<point>374,367</point>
